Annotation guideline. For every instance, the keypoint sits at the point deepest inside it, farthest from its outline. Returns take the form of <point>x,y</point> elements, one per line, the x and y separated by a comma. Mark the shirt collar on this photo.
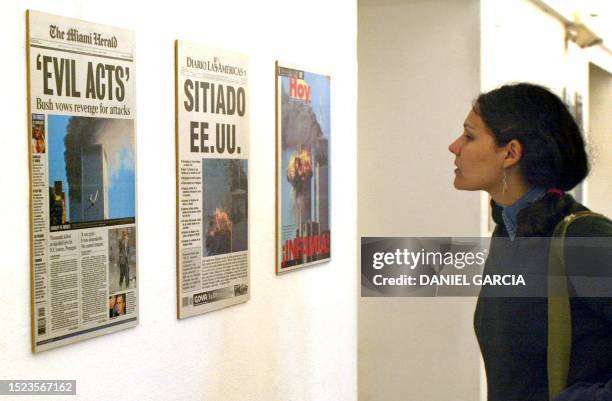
<point>510,213</point>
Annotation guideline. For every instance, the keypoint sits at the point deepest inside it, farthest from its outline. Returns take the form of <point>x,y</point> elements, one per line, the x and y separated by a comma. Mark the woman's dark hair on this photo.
<point>554,154</point>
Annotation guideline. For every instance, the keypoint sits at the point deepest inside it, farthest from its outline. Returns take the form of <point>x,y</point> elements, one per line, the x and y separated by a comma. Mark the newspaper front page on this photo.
<point>303,129</point>
<point>212,167</point>
<point>81,95</point>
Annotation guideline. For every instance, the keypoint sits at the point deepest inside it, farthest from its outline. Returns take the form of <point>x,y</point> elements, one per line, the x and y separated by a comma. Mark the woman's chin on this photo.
<point>461,185</point>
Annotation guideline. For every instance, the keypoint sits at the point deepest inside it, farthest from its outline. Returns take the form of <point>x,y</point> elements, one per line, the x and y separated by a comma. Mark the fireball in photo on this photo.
<point>299,175</point>
<point>299,170</point>
<point>219,233</point>
<point>220,222</point>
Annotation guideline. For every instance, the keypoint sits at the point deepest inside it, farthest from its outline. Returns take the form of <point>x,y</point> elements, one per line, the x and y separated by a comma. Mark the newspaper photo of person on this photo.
<point>38,134</point>
<point>120,305</point>
<point>122,263</point>
<point>116,305</point>
<point>112,300</point>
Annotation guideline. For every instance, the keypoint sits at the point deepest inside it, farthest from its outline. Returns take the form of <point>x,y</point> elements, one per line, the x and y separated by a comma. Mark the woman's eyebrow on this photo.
<point>466,125</point>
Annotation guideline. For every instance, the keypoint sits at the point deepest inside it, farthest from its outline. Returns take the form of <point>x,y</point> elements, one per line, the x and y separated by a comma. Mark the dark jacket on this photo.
<point>511,327</point>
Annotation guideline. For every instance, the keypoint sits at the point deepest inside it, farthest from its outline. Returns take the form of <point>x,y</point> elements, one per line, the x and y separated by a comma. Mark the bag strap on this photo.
<point>559,346</point>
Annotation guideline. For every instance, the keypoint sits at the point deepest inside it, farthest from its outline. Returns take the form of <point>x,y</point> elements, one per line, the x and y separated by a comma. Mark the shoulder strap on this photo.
<point>559,346</point>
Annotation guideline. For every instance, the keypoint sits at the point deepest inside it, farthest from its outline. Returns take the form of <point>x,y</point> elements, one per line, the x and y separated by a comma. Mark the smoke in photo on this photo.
<point>225,205</point>
<point>116,136</point>
<point>98,157</point>
<point>299,124</point>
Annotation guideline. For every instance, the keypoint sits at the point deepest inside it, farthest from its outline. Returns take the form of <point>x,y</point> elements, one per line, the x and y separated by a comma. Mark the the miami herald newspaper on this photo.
<point>81,118</point>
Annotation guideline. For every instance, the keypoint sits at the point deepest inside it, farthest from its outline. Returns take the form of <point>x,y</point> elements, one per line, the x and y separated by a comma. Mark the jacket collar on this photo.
<point>538,218</point>
<point>510,213</point>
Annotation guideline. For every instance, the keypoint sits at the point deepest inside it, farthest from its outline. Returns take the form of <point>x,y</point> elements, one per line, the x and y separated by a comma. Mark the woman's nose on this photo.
<point>454,147</point>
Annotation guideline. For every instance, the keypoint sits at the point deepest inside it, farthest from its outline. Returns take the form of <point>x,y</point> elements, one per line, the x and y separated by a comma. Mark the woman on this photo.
<point>522,146</point>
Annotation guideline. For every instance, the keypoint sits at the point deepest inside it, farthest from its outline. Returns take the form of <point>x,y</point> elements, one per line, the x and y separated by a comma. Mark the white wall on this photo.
<point>296,338</point>
<point>419,71</point>
<point>522,42</point>
<point>600,136</point>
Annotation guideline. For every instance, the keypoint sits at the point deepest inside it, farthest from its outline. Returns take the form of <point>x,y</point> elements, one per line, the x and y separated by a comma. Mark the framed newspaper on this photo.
<point>212,178</point>
<point>303,128</point>
<point>81,120</point>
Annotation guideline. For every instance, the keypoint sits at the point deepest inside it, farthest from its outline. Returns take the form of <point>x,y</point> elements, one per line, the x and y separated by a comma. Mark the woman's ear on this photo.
<point>513,153</point>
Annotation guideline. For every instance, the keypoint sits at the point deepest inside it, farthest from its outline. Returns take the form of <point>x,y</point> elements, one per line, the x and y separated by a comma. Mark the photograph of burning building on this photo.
<point>91,171</point>
<point>225,206</point>
<point>303,117</point>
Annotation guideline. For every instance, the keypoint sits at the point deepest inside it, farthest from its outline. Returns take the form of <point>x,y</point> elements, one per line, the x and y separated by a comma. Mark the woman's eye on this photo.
<point>469,137</point>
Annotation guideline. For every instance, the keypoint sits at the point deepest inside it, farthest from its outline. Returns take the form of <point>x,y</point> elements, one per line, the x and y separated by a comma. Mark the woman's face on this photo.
<point>478,159</point>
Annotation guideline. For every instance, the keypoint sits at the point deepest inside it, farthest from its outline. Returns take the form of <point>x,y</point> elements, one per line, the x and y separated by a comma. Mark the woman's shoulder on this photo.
<point>592,225</point>
<point>541,217</point>
<point>538,219</point>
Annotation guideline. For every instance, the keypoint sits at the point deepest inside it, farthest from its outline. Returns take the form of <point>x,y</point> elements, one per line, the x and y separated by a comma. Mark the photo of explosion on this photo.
<point>219,233</point>
<point>299,170</point>
<point>225,206</point>
<point>299,175</point>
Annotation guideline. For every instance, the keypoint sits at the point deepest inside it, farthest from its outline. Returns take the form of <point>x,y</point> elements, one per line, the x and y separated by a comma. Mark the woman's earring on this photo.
<point>505,183</point>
